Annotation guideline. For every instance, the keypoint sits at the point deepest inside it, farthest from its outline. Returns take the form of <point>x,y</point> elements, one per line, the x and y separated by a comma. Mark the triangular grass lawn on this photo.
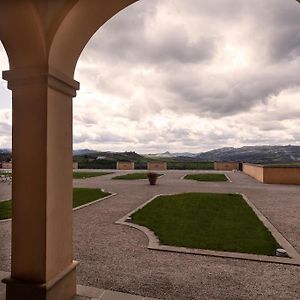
<point>206,177</point>
<point>81,196</point>
<point>133,176</point>
<point>222,222</point>
<point>83,175</point>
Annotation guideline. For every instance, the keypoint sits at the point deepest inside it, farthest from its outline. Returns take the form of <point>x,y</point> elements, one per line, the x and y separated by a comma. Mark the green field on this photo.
<point>222,222</point>
<point>6,174</point>
<point>133,176</point>
<point>83,175</point>
<point>81,196</point>
<point>206,177</point>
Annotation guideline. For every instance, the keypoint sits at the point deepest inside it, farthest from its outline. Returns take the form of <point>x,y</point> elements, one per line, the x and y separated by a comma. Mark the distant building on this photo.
<point>226,166</point>
<point>276,174</point>
<point>125,165</point>
<point>6,165</point>
<point>156,165</point>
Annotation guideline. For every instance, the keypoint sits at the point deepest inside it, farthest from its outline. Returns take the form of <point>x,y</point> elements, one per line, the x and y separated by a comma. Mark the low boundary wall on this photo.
<point>157,166</point>
<point>226,166</point>
<point>273,174</point>
<point>125,165</point>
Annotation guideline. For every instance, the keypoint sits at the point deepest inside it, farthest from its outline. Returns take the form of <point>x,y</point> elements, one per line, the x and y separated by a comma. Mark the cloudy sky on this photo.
<point>186,75</point>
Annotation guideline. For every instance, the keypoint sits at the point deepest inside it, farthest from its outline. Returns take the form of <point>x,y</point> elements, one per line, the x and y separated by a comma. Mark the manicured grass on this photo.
<point>206,177</point>
<point>5,209</point>
<point>82,175</point>
<point>81,196</point>
<point>6,174</point>
<point>133,176</point>
<point>222,222</point>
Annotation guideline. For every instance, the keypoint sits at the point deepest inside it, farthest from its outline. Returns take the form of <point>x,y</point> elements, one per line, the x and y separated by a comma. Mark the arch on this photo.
<point>79,25</point>
<point>21,34</point>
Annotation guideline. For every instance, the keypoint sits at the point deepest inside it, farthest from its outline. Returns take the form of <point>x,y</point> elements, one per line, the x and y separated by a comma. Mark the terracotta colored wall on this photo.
<point>273,175</point>
<point>282,175</point>
<point>6,165</point>
<point>255,171</point>
<point>157,166</point>
<point>121,165</point>
<point>226,166</point>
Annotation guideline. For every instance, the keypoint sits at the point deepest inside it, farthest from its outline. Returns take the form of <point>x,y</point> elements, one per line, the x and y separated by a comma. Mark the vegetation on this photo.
<point>5,209</point>
<point>81,196</point>
<point>108,160</point>
<point>206,177</point>
<point>222,222</point>
<point>82,175</point>
<point>6,174</point>
<point>133,176</point>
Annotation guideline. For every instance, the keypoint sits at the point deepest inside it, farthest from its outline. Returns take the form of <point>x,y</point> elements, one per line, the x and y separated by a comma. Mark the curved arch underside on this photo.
<point>52,32</point>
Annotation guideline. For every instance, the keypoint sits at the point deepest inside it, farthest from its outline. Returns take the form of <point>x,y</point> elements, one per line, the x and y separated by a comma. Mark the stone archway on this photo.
<point>43,40</point>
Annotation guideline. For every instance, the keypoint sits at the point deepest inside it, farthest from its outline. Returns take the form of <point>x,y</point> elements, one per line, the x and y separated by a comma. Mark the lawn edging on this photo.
<point>225,174</point>
<point>154,244</point>
<point>81,206</point>
<point>95,201</point>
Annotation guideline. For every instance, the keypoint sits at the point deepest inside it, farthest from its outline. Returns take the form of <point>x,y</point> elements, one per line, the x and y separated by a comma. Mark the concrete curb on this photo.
<point>228,178</point>
<point>78,207</point>
<point>154,244</point>
<point>96,201</point>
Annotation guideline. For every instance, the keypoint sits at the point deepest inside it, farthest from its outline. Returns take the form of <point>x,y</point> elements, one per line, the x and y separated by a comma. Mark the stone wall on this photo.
<point>157,166</point>
<point>274,174</point>
<point>125,165</point>
<point>255,171</point>
<point>226,166</point>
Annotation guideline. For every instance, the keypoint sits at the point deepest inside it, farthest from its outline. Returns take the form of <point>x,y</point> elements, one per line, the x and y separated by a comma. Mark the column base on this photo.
<point>62,287</point>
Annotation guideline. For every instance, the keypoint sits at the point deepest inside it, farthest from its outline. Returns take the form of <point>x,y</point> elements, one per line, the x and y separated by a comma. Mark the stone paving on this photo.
<point>115,257</point>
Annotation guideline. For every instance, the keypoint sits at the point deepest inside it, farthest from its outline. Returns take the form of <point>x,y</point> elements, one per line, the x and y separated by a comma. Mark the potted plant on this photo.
<point>152,178</point>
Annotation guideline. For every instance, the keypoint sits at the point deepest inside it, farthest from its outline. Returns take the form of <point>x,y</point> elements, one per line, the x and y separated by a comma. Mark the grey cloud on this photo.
<point>178,80</point>
<point>230,95</point>
<point>5,128</point>
<point>125,39</point>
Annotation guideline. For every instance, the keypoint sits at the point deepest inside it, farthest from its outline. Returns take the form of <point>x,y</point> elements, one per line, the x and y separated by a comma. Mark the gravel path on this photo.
<point>115,257</point>
<point>5,191</point>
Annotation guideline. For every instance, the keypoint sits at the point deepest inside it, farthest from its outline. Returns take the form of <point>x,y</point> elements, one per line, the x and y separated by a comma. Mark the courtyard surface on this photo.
<point>115,257</point>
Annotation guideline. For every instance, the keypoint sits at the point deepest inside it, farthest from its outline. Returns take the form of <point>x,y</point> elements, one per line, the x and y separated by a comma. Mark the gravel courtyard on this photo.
<point>116,257</point>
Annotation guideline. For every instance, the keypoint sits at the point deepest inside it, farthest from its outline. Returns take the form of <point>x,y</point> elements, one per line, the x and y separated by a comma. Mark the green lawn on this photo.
<point>81,196</point>
<point>206,177</point>
<point>133,176</point>
<point>6,174</point>
<point>82,175</point>
<point>222,222</point>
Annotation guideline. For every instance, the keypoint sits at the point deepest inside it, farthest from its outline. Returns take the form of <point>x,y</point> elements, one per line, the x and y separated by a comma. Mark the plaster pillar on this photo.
<point>42,257</point>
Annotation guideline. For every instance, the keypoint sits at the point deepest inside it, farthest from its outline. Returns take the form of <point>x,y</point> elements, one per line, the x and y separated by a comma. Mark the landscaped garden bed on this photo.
<point>206,177</point>
<point>81,196</point>
<point>133,176</point>
<point>83,175</point>
<point>221,222</point>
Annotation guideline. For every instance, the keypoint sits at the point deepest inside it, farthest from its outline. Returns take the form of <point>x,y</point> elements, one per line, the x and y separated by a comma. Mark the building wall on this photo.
<point>6,165</point>
<point>254,171</point>
<point>282,175</point>
<point>122,165</point>
<point>157,166</point>
<point>75,165</point>
<point>274,175</point>
<point>226,166</point>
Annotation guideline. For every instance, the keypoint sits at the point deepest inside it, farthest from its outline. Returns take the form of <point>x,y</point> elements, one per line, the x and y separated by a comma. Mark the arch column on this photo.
<point>42,256</point>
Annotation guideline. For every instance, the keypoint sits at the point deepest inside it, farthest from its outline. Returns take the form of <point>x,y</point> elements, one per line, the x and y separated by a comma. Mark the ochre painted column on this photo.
<point>42,256</point>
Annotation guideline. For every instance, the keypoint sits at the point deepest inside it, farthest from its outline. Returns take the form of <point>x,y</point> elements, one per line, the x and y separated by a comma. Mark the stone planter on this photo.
<point>152,178</point>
